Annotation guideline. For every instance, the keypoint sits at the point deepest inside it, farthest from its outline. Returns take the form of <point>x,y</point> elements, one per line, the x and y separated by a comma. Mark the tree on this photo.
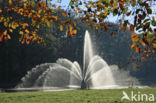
<point>140,12</point>
<point>32,14</point>
<point>18,58</point>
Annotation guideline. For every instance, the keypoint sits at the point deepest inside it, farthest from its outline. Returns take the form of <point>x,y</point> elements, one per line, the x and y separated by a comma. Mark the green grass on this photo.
<point>74,96</point>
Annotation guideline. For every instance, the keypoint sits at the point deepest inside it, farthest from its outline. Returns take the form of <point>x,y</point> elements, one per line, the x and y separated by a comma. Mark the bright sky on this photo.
<point>64,4</point>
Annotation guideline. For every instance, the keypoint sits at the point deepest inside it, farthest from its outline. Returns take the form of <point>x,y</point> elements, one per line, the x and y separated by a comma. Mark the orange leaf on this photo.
<point>115,7</point>
<point>74,24</point>
<point>31,37</point>
<point>133,45</point>
<point>143,43</point>
<point>9,37</point>
<point>136,39</point>
<point>91,2</point>
<point>10,30</point>
<point>0,10</point>
<point>27,31</point>
<point>137,49</point>
<point>5,38</point>
<point>101,20</point>
<point>22,42</point>
<point>134,35</point>
<point>27,42</point>
<point>71,28</point>
<point>74,31</point>
<point>10,2</point>
<point>26,35</point>
<point>24,25</point>
<point>39,11</point>
<point>20,1</point>
<point>121,26</point>
<point>61,28</point>
<point>96,27</point>
<point>58,7</point>
<point>106,13</point>
<point>59,1</point>
<point>154,45</point>
<point>76,12</point>
<point>132,28</point>
<point>80,3</point>
<point>1,38</point>
<point>64,13</point>
<point>66,32</point>
<point>5,32</point>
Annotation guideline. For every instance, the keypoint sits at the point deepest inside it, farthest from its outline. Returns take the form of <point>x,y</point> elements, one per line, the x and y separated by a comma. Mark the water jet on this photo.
<point>65,74</point>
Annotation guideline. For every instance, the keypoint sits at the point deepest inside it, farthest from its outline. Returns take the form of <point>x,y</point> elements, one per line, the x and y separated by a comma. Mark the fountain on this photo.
<point>95,74</point>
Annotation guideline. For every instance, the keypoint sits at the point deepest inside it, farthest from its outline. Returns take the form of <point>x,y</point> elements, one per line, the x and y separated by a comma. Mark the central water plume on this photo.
<point>66,74</point>
<point>87,52</point>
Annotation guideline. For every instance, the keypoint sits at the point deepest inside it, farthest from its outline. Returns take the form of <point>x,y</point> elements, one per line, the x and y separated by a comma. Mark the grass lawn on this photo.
<point>74,96</point>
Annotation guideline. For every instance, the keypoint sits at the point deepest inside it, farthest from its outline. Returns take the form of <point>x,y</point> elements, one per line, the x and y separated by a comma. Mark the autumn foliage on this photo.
<point>31,15</point>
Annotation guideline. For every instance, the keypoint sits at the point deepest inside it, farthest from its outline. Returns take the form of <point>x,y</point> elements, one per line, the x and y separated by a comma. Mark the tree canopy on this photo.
<point>26,17</point>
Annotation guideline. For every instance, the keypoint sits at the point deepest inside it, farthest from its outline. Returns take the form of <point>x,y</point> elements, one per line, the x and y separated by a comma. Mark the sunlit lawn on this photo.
<point>74,96</point>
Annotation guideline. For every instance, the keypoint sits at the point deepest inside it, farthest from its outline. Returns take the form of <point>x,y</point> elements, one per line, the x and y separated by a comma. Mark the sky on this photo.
<point>64,4</point>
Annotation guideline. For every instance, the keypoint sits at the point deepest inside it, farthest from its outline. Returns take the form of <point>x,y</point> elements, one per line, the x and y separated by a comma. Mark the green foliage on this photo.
<point>138,10</point>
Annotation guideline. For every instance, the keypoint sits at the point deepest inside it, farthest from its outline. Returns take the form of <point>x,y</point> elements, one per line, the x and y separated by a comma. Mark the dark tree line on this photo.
<point>17,59</point>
